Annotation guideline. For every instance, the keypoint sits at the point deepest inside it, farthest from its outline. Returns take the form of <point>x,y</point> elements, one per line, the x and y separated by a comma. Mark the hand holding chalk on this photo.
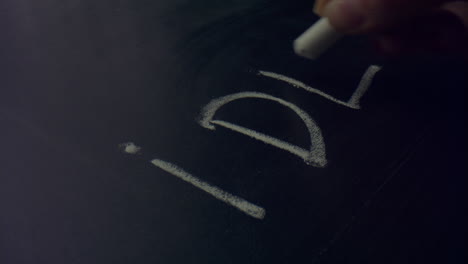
<point>397,26</point>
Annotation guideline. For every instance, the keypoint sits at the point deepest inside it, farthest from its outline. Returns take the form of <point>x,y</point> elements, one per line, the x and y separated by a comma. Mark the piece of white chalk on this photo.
<point>316,40</point>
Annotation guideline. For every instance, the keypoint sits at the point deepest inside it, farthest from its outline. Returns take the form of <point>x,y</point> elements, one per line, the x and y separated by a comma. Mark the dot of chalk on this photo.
<point>130,148</point>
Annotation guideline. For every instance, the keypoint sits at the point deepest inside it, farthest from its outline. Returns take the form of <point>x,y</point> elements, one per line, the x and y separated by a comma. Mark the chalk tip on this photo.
<point>300,50</point>
<point>316,39</point>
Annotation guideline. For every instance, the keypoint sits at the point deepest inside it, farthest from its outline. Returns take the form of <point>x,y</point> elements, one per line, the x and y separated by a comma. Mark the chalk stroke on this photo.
<point>364,85</point>
<point>302,85</point>
<point>235,201</point>
<point>315,156</point>
<point>353,102</point>
<point>264,138</point>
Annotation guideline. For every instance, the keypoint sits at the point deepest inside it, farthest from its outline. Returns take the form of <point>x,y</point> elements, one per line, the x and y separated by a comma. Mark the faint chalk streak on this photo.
<point>237,202</point>
<point>405,157</point>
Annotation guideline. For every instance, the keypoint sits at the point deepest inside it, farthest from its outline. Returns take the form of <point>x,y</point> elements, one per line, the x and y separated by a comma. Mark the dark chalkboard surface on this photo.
<point>381,179</point>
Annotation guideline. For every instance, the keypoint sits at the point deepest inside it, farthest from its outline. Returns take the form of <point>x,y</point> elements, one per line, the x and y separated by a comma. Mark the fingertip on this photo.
<point>346,16</point>
<point>319,6</point>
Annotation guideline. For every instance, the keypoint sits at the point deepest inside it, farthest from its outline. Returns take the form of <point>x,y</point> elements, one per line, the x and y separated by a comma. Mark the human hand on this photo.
<point>402,26</point>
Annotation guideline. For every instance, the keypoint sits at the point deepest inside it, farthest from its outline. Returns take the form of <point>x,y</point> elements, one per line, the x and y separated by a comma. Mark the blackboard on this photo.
<point>386,183</point>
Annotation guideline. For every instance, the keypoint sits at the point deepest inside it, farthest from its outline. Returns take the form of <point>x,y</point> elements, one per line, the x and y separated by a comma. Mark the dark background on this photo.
<point>77,78</point>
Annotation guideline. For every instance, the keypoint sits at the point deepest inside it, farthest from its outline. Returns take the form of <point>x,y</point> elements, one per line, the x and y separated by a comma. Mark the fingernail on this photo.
<point>346,16</point>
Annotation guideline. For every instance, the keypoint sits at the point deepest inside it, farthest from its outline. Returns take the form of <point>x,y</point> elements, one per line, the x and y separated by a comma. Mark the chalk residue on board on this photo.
<point>314,156</point>
<point>353,102</point>
<point>235,201</point>
<point>130,148</point>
